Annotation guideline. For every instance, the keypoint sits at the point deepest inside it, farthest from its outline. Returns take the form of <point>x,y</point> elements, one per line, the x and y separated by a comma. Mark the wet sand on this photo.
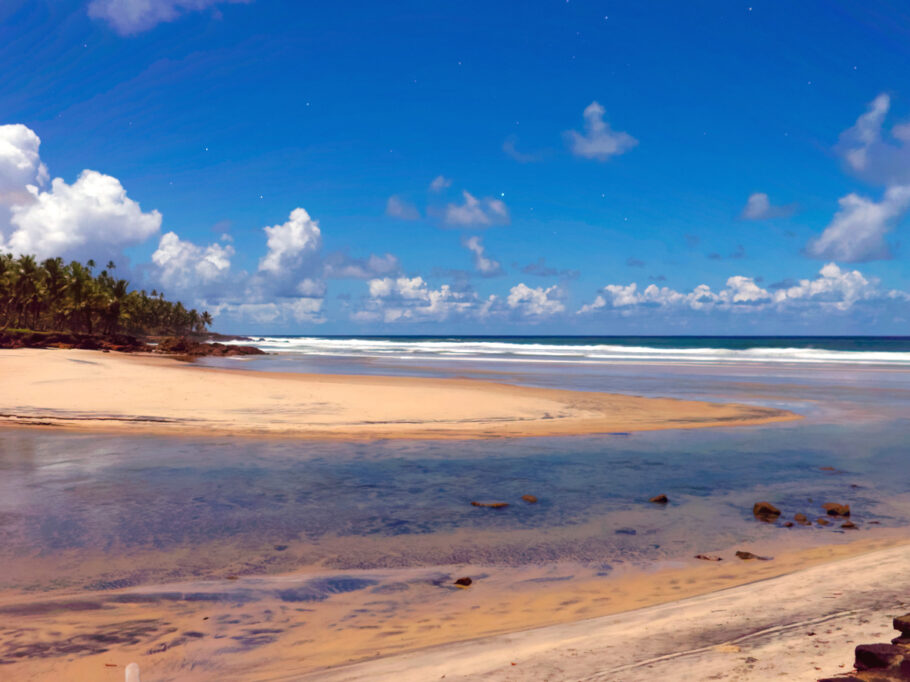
<point>415,625</point>
<point>93,391</point>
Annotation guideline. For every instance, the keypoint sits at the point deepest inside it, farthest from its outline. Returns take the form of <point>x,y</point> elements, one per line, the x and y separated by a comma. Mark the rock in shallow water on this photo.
<point>835,509</point>
<point>530,499</point>
<point>659,499</point>
<point>490,505</point>
<point>765,511</point>
<point>464,582</point>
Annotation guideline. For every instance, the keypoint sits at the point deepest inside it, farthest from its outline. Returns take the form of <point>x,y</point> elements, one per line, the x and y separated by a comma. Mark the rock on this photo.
<point>835,509</point>
<point>765,511</point>
<point>708,557</point>
<point>625,531</point>
<point>491,505</point>
<point>659,499</point>
<point>802,519</point>
<point>848,678</point>
<point>464,582</point>
<point>875,656</point>
<point>822,521</point>
<point>849,525</point>
<point>827,469</point>
<point>746,556</point>
<point>530,499</point>
<point>788,524</point>
<point>902,624</point>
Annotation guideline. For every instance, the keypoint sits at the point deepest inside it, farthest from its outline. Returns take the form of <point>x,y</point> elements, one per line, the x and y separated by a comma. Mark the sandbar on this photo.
<point>95,391</point>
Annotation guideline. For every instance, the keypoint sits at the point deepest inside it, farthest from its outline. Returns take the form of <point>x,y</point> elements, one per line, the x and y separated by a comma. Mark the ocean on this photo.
<point>892,351</point>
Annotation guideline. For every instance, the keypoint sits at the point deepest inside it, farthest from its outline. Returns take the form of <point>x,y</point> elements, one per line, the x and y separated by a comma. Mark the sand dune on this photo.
<point>93,391</point>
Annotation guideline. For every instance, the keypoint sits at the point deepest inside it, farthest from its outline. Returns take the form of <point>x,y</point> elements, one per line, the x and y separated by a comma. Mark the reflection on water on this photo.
<point>93,523</point>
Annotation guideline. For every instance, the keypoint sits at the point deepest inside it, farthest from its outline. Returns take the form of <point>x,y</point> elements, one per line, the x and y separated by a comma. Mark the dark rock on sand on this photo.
<point>835,509</point>
<point>875,656</point>
<point>464,582</point>
<point>188,348</point>
<point>746,556</point>
<point>708,557</point>
<point>530,499</point>
<point>491,505</point>
<point>765,511</point>
<point>902,624</point>
<point>659,499</point>
<point>802,519</point>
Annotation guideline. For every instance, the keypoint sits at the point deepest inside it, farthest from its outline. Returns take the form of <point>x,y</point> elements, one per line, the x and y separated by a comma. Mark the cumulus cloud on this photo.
<point>399,299</point>
<point>300,310</point>
<point>184,266</point>
<point>536,302</point>
<point>128,17</point>
<point>759,207</point>
<point>440,183</point>
<point>291,245</point>
<point>599,141</point>
<point>857,232</point>
<point>92,218</point>
<point>20,165</point>
<point>485,265</point>
<point>475,212</point>
<point>834,289</point>
<point>396,207</point>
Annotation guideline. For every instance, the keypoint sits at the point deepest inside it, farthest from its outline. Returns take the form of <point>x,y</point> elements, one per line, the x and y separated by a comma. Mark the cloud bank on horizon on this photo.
<point>445,245</point>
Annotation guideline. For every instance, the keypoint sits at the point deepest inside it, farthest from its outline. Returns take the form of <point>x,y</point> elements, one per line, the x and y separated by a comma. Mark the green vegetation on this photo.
<point>55,296</point>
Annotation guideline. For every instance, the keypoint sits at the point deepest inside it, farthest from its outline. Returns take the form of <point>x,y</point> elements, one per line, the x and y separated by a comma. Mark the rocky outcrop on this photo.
<point>187,348</point>
<point>881,662</point>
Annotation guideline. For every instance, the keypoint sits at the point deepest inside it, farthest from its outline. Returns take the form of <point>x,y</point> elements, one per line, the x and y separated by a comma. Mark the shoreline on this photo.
<point>802,624</point>
<point>695,615</point>
<point>158,395</point>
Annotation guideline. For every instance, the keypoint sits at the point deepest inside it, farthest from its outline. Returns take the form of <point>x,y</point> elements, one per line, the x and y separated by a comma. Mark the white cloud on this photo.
<point>485,265</point>
<point>874,154</point>
<point>291,245</point>
<point>834,289</point>
<point>184,266</point>
<point>440,183</point>
<point>300,310</point>
<point>536,302</point>
<point>476,212</point>
<point>92,218</point>
<point>127,17</point>
<point>510,147</point>
<point>857,232</point>
<point>411,299</point>
<point>759,207</point>
<point>599,141</point>
<point>396,207</point>
<point>20,166</point>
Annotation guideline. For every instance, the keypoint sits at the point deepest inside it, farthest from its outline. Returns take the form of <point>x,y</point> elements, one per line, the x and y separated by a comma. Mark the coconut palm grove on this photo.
<point>53,295</point>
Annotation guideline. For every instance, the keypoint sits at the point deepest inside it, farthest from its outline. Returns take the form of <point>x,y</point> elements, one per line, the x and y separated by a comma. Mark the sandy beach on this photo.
<point>92,391</point>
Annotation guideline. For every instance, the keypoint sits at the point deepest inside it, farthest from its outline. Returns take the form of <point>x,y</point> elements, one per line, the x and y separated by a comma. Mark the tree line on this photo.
<point>69,297</point>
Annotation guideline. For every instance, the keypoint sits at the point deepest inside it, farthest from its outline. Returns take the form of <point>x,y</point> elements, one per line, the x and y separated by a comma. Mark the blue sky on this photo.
<point>746,160</point>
